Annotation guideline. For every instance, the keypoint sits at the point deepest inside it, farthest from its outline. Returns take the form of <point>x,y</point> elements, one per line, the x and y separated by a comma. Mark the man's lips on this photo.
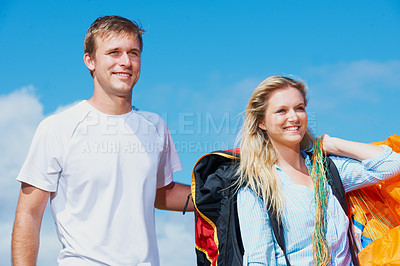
<point>122,74</point>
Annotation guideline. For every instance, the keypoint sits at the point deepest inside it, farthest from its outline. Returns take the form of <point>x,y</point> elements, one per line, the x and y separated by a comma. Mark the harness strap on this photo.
<point>338,190</point>
<point>278,231</point>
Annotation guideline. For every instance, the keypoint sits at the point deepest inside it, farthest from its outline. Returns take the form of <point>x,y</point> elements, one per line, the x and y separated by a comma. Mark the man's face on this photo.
<point>116,64</point>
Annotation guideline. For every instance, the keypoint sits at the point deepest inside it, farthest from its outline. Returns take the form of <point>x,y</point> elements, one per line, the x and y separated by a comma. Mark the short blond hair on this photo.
<point>105,26</point>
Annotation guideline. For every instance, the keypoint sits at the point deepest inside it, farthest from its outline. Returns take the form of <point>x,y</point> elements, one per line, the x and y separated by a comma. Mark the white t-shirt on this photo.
<point>103,171</point>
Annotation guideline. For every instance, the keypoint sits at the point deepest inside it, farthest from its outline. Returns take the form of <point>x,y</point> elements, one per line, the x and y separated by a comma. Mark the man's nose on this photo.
<point>124,60</point>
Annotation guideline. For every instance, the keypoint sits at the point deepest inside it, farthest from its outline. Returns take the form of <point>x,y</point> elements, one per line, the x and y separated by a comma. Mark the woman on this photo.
<point>274,167</point>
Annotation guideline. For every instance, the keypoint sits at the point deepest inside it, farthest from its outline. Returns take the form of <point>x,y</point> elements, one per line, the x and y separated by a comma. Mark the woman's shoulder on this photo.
<point>246,194</point>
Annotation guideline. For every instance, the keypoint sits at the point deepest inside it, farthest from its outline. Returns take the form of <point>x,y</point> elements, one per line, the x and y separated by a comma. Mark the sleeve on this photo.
<point>42,166</point>
<point>169,161</point>
<point>256,231</point>
<point>357,174</point>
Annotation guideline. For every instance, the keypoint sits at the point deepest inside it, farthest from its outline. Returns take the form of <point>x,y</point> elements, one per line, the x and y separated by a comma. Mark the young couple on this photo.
<point>103,199</point>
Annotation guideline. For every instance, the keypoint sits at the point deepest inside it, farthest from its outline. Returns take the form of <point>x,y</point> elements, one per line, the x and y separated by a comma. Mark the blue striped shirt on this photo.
<point>298,217</point>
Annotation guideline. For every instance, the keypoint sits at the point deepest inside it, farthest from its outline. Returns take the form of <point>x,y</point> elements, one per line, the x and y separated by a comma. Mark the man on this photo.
<point>103,163</point>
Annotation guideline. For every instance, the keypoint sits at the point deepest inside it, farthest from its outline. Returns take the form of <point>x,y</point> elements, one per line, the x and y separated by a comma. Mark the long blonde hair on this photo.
<point>257,154</point>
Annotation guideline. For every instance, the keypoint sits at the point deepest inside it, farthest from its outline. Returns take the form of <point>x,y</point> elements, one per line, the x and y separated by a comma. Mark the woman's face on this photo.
<point>285,118</point>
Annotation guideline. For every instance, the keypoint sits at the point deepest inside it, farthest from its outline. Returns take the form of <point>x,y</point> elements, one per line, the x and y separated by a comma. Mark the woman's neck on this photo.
<point>290,157</point>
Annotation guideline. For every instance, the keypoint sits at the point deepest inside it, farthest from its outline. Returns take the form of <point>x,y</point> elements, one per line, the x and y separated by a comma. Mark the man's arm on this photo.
<point>173,197</point>
<point>28,219</point>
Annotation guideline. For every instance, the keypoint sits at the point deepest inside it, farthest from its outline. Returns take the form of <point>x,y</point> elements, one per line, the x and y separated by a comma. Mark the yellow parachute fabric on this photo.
<point>377,209</point>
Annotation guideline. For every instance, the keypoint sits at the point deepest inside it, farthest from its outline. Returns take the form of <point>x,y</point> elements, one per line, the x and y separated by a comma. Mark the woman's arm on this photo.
<point>361,164</point>
<point>255,229</point>
<point>355,150</point>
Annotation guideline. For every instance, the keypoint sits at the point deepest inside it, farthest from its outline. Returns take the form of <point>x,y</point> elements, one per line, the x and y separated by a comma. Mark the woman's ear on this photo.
<point>262,126</point>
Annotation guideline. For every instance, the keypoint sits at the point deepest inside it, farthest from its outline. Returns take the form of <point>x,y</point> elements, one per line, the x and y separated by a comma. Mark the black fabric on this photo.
<point>336,184</point>
<point>215,197</point>
<point>277,228</point>
<point>202,258</point>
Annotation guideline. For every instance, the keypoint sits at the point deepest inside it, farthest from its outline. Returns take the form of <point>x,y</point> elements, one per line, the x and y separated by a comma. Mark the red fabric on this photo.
<point>236,150</point>
<point>204,239</point>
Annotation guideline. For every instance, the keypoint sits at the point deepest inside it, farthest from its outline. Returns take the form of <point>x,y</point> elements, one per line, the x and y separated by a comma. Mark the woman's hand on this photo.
<point>328,144</point>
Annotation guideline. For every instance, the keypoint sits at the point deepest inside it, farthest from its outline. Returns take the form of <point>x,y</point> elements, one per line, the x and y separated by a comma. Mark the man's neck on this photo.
<point>112,105</point>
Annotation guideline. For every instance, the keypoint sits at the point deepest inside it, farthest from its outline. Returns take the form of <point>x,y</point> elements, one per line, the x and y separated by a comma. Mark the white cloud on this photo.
<point>5,241</point>
<point>65,107</point>
<point>20,114</point>
<point>49,244</point>
<point>363,80</point>
<point>356,100</point>
<point>175,236</point>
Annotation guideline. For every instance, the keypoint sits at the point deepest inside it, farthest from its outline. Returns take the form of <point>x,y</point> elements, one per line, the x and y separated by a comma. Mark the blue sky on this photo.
<point>200,63</point>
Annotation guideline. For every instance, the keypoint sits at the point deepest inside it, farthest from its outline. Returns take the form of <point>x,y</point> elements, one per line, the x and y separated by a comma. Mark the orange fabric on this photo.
<point>377,207</point>
<point>383,251</point>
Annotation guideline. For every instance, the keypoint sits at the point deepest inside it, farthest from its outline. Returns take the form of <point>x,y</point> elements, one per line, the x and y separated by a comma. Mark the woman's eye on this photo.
<point>300,108</point>
<point>281,111</point>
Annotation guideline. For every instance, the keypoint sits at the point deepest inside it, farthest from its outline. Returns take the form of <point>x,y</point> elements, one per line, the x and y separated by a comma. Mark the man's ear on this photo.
<point>89,61</point>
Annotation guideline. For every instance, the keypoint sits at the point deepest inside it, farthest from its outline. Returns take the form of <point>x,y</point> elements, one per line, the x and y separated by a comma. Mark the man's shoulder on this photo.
<point>66,117</point>
<point>151,117</point>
